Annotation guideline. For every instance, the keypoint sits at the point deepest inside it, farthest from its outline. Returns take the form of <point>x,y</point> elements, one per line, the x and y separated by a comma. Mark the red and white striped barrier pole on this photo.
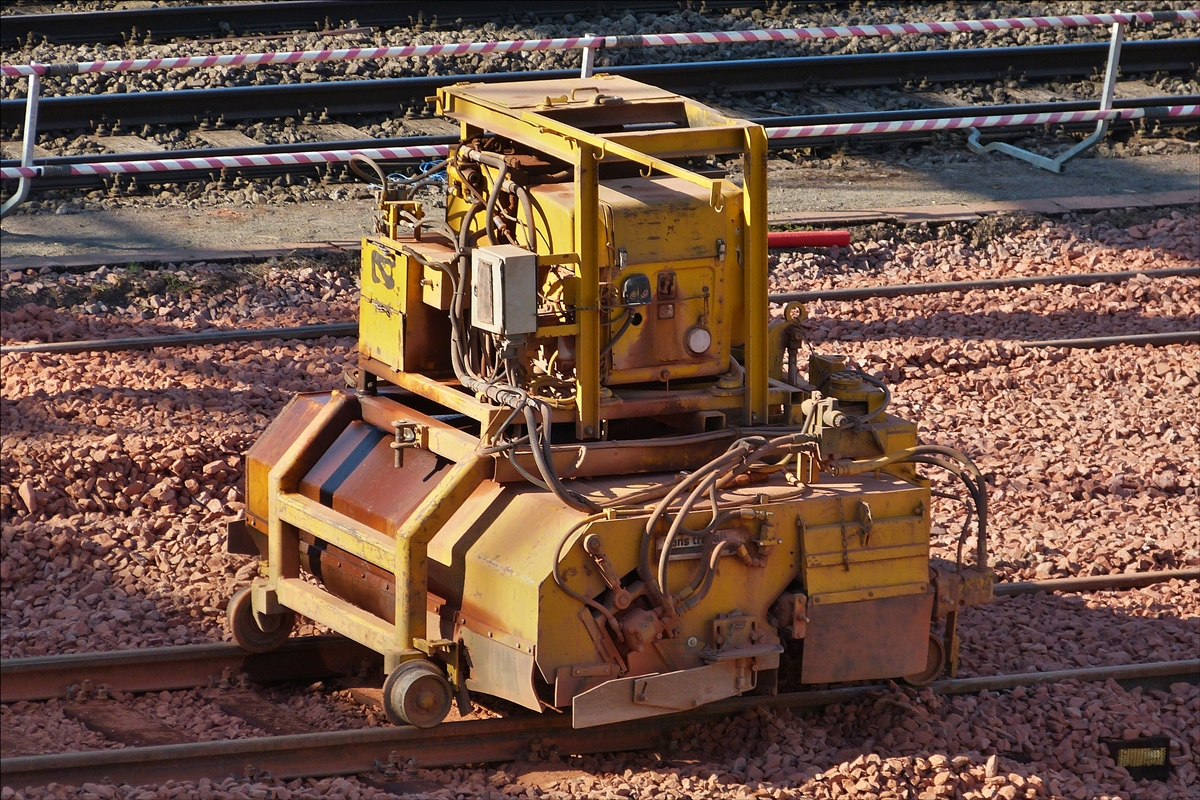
<point>595,42</point>
<point>221,162</point>
<point>429,151</point>
<point>960,123</point>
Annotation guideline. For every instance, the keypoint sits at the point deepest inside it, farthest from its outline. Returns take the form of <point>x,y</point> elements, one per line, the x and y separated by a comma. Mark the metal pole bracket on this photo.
<point>1056,164</point>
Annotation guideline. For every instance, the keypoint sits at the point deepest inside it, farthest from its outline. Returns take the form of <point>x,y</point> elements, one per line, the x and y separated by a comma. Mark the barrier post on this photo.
<point>1106,98</point>
<point>589,60</point>
<point>27,144</point>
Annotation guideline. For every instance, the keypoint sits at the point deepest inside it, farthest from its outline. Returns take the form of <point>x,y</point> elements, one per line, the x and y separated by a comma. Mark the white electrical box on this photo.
<point>504,289</point>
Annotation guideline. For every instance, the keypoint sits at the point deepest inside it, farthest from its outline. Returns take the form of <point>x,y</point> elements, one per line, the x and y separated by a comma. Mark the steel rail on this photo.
<point>1132,339</point>
<point>168,164</point>
<point>351,329</point>
<point>335,329</point>
<point>1022,282</point>
<point>56,163</point>
<point>1096,583</point>
<point>766,122</point>
<point>305,658</point>
<point>340,329</point>
<point>297,15</point>
<point>592,42</point>
<point>388,95</point>
<point>481,741</point>
<point>156,669</point>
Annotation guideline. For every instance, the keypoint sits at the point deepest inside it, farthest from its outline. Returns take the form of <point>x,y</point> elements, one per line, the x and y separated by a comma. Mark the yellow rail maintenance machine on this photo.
<point>582,467</point>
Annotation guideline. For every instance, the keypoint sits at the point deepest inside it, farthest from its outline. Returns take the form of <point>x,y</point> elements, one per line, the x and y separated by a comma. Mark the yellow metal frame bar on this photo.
<point>673,144</point>
<point>587,317</point>
<point>337,529</point>
<point>612,149</point>
<point>283,555</point>
<point>585,151</point>
<point>406,555</point>
<point>754,204</point>
<point>412,541</point>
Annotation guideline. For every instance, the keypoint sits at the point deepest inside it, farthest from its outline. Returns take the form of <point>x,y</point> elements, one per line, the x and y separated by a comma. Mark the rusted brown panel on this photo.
<point>349,577</point>
<point>369,587</point>
<point>265,452</point>
<point>867,640</point>
<point>358,477</point>
<point>622,458</point>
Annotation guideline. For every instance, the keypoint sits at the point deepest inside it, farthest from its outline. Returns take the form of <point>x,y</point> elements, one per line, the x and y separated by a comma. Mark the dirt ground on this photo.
<point>856,182</point>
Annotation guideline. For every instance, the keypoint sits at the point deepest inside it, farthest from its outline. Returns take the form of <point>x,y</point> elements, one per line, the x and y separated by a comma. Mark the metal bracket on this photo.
<point>589,60</point>
<point>27,144</point>
<point>408,435</point>
<point>1106,98</point>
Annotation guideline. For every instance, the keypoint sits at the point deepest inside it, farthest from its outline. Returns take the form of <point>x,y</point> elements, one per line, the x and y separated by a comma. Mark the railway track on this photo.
<point>482,741</point>
<point>338,329</point>
<point>312,658</point>
<point>246,19</point>
<point>388,96</point>
<point>60,176</point>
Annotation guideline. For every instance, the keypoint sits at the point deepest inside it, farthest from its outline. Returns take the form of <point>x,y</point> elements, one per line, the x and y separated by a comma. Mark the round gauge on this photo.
<point>697,340</point>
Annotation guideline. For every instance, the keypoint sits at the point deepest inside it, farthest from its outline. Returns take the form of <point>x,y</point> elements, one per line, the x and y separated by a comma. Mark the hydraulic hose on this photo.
<point>558,578</point>
<point>539,446</point>
<point>489,223</point>
<point>530,228</point>
<point>738,459</point>
<point>645,569</point>
<point>693,600</point>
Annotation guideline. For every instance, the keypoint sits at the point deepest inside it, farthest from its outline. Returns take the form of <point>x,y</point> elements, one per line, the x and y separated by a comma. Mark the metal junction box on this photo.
<point>504,289</point>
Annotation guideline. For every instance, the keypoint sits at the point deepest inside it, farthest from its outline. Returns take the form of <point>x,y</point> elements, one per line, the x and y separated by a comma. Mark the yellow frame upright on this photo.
<point>525,113</point>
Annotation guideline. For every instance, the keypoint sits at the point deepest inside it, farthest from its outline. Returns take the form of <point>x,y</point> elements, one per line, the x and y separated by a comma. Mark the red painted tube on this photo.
<point>808,238</point>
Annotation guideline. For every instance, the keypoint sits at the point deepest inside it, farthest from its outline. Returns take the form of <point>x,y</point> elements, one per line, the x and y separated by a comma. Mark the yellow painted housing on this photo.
<point>432,522</point>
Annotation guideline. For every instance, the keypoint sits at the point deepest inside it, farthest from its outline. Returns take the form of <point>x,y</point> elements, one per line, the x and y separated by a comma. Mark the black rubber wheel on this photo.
<point>257,633</point>
<point>417,694</point>
<point>935,663</point>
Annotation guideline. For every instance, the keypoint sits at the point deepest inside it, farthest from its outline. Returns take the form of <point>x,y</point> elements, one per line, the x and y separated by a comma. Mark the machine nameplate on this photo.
<point>690,546</point>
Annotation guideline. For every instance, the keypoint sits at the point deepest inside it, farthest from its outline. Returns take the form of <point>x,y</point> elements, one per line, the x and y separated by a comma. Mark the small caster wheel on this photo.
<point>417,694</point>
<point>935,663</point>
<point>257,633</point>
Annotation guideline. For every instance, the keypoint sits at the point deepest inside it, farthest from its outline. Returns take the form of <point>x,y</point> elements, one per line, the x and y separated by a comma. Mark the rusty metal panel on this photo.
<point>271,446</point>
<point>499,669</point>
<point>357,477</point>
<point>867,640</point>
<point>666,455</point>
<point>643,696</point>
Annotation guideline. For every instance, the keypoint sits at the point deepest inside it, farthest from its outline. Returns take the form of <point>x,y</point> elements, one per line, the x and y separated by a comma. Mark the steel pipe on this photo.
<point>1096,583</point>
<point>336,329</point>
<point>914,289</point>
<point>157,669</point>
<point>1134,339</point>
